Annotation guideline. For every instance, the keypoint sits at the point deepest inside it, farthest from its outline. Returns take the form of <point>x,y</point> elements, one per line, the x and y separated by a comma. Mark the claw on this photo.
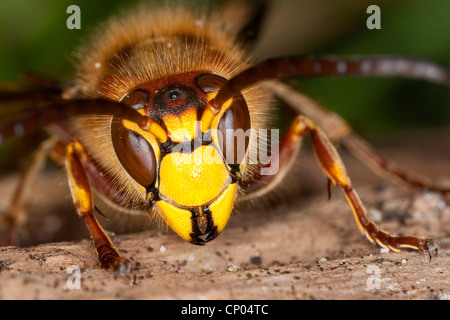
<point>431,248</point>
<point>112,261</point>
<point>124,267</point>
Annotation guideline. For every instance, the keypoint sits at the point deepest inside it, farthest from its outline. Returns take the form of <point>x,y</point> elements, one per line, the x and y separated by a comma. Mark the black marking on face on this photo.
<point>210,231</point>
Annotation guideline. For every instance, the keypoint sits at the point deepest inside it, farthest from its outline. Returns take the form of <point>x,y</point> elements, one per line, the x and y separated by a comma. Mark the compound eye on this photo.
<point>134,153</point>
<point>137,99</point>
<point>234,123</point>
<point>234,126</point>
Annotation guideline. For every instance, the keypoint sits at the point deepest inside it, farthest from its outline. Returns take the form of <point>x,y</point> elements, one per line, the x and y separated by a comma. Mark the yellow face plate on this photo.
<point>222,208</point>
<point>193,179</point>
<point>180,220</point>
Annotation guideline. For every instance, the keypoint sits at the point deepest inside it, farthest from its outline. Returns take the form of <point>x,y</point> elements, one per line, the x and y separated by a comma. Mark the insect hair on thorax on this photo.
<point>150,42</point>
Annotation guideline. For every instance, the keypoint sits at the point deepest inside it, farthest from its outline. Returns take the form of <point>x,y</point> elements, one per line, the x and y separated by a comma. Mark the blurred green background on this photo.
<point>33,35</point>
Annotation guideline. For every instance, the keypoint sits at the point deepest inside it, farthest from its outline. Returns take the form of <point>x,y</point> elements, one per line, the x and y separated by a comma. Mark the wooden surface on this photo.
<point>309,248</point>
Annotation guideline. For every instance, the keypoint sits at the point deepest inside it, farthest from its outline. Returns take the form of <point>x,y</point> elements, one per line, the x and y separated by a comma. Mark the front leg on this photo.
<point>338,130</point>
<point>84,204</point>
<point>334,168</point>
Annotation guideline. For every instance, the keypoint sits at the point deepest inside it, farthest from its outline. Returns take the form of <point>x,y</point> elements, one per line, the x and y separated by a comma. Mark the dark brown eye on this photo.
<point>234,127</point>
<point>137,99</point>
<point>134,153</point>
<point>235,122</point>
